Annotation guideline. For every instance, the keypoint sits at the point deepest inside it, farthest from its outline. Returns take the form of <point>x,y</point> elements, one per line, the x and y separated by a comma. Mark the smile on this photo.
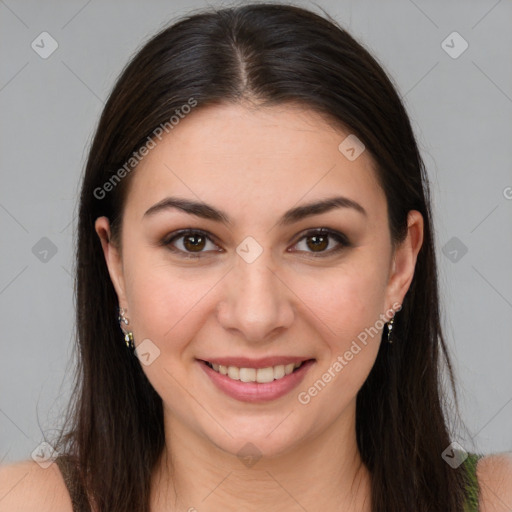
<point>261,375</point>
<point>254,385</point>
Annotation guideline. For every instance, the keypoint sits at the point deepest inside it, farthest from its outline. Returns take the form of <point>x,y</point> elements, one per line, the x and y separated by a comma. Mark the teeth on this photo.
<point>279,372</point>
<point>265,374</point>
<point>234,372</point>
<point>247,374</point>
<point>261,375</point>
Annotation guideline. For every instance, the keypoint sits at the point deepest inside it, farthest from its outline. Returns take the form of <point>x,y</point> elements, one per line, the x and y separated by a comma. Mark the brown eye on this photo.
<point>190,243</point>
<point>194,243</point>
<point>317,241</point>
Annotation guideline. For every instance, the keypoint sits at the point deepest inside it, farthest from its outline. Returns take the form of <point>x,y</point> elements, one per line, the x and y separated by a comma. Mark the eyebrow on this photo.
<point>205,211</point>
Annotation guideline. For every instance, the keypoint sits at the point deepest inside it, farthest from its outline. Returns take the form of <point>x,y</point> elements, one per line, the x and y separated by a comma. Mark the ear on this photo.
<point>404,259</point>
<point>112,258</point>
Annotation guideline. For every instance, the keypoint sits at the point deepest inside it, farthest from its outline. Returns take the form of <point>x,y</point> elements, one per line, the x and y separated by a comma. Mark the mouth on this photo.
<point>259,375</point>
<point>257,382</point>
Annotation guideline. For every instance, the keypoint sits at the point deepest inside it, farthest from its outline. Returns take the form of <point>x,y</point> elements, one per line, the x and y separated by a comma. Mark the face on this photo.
<point>254,284</point>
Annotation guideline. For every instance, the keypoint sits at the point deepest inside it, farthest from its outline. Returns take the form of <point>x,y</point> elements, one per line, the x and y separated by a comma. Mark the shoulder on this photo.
<point>494,473</point>
<point>25,486</point>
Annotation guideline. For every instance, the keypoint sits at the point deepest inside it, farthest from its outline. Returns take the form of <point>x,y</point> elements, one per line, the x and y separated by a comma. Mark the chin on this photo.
<point>250,442</point>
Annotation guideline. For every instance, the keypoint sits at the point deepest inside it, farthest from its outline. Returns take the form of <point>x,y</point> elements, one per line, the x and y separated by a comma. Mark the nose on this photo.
<point>256,304</point>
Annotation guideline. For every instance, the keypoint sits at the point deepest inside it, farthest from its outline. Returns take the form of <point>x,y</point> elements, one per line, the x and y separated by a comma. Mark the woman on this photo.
<point>255,223</point>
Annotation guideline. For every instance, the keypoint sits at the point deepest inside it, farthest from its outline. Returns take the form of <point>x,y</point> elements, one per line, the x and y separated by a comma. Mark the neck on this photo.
<point>324,472</point>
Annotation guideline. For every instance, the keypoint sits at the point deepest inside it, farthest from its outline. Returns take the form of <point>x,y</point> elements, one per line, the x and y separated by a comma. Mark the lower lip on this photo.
<point>254,391</point>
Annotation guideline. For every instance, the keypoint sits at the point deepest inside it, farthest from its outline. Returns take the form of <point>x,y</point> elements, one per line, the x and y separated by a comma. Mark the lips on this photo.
<point>249,390</point>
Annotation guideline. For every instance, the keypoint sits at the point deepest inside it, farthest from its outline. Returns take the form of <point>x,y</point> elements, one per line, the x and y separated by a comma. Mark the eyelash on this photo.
<point>338,237</point>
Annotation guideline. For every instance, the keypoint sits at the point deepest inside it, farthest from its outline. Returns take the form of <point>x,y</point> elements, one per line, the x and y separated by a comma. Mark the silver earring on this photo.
<point>128,335</point>
<point>390,328</point>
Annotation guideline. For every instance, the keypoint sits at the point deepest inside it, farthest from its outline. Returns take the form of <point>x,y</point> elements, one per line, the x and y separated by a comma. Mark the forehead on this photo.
<point>259,159</point>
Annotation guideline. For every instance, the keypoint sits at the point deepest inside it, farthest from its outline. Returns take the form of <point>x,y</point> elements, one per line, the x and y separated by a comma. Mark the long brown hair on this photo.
<point>274,54</point>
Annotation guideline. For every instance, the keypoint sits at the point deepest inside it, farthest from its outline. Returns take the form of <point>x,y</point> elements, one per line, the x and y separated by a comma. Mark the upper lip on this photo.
<point>264,362</point>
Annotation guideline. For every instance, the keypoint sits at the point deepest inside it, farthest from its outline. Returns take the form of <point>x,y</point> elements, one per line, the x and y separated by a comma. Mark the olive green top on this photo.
<point>80,503</point>
<point>472,488</point>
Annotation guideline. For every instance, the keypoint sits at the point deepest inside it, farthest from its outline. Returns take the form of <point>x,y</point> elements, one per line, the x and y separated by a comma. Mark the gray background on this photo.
<point>461,109</point>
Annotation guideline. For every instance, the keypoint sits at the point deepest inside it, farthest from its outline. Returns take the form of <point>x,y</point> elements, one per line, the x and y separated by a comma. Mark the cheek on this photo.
<point>351,329</point>
<point>168,307</point>
<point>347,306</point>
<point>165,300</point>
<point>346,300</point>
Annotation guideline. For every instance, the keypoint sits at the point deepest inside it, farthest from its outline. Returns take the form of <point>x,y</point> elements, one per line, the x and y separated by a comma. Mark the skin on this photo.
<point>255,164</point>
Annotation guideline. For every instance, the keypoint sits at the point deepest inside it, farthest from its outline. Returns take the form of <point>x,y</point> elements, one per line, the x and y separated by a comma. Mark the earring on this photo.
<point>390,328</point>
<point>128,335</point>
